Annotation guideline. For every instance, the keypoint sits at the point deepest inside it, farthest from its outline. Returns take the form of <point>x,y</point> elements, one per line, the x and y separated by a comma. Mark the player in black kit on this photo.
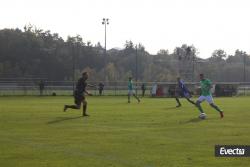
<point>79,95</point>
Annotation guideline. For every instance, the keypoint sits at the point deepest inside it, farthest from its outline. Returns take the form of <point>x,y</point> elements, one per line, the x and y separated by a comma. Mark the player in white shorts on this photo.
<point>206,85</point>
<point>208,98</point>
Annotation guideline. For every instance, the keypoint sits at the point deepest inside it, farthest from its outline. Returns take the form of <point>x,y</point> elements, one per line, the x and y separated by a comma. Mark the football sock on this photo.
<point>190,101</point>
<point>84,110</point>
<point>72,106</point>
<point>198,105</point>
<point>216,108</point>
<point>178,101</point>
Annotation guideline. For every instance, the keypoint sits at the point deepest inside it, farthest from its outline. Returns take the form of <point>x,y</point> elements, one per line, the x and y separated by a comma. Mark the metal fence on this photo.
<point>27,87</point>
<point>32,87</point>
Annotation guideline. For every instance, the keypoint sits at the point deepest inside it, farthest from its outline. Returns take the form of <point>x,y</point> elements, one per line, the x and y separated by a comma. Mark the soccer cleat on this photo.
<point>65,108</point>
<point>85,115</point>
<point>178,106</point>
<point>221,114</point>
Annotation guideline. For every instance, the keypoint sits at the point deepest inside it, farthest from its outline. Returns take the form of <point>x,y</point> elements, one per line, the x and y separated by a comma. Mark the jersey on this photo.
<point>130,85</point>
<point>205,87</point>
<point>183,87</point>
<point>79,91</point>
<point>80,86</point>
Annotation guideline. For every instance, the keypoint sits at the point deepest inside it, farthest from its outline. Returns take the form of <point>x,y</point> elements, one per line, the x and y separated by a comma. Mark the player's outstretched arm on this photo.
<point>91,85</point>
<point>88,93</point>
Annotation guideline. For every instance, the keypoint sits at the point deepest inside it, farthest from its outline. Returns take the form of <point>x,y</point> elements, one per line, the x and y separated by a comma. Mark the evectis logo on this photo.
<point>232,151</point>
<point>236,151</point>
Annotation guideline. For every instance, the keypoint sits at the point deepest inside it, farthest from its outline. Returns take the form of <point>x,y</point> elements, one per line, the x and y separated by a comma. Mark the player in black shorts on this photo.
<point>79,95</point>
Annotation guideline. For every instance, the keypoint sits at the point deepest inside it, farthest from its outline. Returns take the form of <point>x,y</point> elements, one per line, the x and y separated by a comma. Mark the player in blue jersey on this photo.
<point>182,90</point>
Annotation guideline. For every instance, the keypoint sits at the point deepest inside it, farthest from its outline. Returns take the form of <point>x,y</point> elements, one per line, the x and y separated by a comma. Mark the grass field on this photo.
<point>34,132</point>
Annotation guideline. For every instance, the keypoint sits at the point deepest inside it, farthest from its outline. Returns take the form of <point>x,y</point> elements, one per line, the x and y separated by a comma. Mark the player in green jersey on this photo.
<point>206,86</point>
<point>131,91</point>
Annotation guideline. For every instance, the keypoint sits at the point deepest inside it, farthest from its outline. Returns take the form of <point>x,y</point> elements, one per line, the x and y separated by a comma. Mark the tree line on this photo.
<point>36,53</point>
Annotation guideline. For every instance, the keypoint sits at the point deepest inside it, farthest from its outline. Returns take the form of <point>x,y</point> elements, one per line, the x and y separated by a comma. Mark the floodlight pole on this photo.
<point>244,68</point>
<point>193,68</point>
<point>244,73</point>
<point>73,65</point>
<point>105,39</point>
<point>136,68</point>
<point>105,22</point>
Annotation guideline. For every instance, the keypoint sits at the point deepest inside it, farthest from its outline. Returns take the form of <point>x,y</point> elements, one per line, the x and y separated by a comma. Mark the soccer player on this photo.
<point>79,95</point>
<point>131,90</point>
<point>41,87</point>
<point>101,87</point>
<point>181,89</point>
<point>206,86</point>
<point>143,89</point>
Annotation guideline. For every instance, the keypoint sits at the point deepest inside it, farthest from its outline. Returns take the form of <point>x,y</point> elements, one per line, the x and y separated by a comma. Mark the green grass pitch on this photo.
<point>34,132</point>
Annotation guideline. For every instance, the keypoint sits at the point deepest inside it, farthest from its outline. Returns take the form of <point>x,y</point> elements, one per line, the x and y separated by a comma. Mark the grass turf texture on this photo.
<point>35,132</point>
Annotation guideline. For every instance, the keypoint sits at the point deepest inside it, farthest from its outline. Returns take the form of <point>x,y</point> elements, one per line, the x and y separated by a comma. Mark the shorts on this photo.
<point>78,98</point>
<point>208,98</point>
<point>184,94</point>
<point>187,95</point>
<point>131,92</point>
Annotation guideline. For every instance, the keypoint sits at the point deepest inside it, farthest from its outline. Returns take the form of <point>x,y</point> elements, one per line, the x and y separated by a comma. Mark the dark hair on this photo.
<point>202,75</point>
<point>85,73</point>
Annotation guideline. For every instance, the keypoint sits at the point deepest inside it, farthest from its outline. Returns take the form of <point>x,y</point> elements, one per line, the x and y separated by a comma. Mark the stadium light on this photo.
<point>105,22</point>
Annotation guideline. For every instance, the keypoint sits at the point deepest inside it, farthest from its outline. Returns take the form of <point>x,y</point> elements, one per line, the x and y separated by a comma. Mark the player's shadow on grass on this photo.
<point>61,119</point>
<point>170,108</point>
<point>193,120</point>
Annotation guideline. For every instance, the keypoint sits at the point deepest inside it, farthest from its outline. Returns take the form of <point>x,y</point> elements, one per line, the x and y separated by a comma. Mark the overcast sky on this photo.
<point>157,24</point>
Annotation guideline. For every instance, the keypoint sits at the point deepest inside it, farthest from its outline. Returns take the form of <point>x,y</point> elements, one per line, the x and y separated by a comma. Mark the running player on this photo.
<point>131,91</point>
<point>79,95</point>
<point>206,86</point>
<point>181,89</point>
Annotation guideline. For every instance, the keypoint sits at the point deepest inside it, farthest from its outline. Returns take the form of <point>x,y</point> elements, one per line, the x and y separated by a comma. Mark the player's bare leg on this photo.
<point>198,105</point>
<point>128,98</point>
<point>84,109</point>
<point>71,106</point>
<point>137,98</point>
<point>191,101</point>
<point>178,101</point>
<point>217,109</point>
